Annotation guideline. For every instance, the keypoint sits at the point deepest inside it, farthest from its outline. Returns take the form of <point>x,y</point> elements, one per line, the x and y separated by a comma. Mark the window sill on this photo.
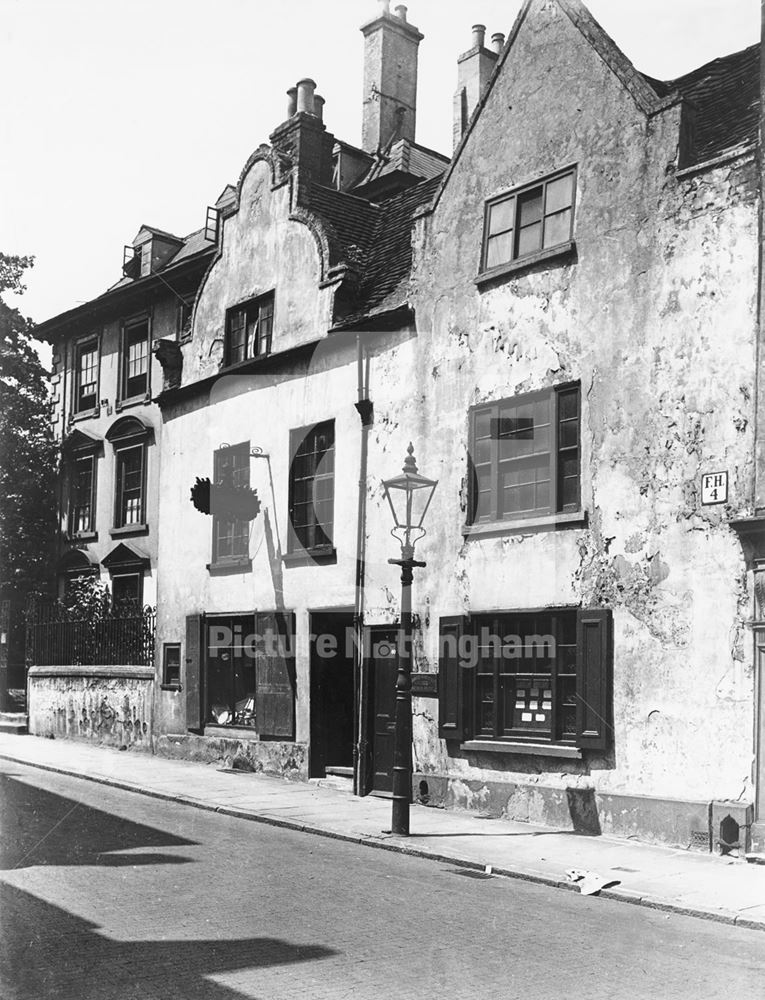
<point>529,749</point>
<point>78,537</point>
<point>234,367</point>
<point>127,530</point>
<point>126,404</point>
<point>233,568</point>
<point>525,263</point>
<point>310,557</point>
<point>85,414</point>
<point>230,732</point>
<point>171,687</point>
<point>526,525</point>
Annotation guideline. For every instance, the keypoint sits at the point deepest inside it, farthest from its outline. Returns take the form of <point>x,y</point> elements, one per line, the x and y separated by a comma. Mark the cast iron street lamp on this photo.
<point>409,496</point>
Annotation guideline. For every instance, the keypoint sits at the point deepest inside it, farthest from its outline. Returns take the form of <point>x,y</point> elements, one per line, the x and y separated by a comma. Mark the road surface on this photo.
<point>109,894</point>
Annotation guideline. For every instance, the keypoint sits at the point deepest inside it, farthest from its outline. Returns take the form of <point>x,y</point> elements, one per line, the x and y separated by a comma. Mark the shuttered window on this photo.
<point>231,536</point>
<point>250,679</point>
<point>537,677</point>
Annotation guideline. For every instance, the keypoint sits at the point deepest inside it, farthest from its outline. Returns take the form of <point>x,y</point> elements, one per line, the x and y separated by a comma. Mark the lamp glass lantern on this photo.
<point>409,496</point>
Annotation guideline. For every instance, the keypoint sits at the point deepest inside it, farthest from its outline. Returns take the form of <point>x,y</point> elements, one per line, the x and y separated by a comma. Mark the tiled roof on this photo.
<point>726,96</point>
<point>375,239</point>
<point>408,157</point>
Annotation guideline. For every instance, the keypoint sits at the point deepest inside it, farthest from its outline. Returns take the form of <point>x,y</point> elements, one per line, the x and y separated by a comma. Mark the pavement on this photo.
<point>725,890</point>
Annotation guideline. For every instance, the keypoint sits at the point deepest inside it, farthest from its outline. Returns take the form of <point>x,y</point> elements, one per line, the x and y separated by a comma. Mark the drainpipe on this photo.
<point>365,409</point>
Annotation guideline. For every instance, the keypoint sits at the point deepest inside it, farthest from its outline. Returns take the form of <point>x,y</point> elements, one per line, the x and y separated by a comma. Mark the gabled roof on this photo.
<point>726,95</point>
<point>374,239</point>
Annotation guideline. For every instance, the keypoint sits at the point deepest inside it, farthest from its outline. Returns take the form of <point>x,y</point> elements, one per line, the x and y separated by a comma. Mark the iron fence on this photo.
<point>57,636</point>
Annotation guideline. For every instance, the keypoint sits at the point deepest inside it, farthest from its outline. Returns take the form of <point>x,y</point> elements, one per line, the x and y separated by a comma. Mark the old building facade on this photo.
<point>563,319</point>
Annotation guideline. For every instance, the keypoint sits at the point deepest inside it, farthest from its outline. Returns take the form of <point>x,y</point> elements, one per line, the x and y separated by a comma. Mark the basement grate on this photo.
<point>700,838</point>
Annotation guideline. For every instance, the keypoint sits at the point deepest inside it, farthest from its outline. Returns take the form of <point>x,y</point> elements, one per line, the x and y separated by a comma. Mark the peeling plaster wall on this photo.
<point>260,246</point>
<point>110,706</point>
<point>657,317</point>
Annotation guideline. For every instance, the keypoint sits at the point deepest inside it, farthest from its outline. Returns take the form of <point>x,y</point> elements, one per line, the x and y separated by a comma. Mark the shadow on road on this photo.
<point>47,952</point>
<point>38,827</point>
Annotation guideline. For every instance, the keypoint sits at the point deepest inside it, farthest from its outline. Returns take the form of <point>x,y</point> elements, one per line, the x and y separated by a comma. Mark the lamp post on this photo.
<point>409,496</point>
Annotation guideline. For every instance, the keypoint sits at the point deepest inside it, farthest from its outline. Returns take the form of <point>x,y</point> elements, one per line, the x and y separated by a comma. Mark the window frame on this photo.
<point>128,573</point>
<point>80,347</point>
<point>241,449</point>
<point>124,397</point>
<point>75,461</point>
<point>501,731</point>
<point>168,682</point>
<point>183,316</point>
<point>248,308</point>
<point>589,678</point>
<point>517,259</point>
<point>295,544</point>
<point>555,508</point>
<point>121,447</point>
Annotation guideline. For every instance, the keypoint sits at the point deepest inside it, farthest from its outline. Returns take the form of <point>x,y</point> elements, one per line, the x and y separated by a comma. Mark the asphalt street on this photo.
<point>109,894</point>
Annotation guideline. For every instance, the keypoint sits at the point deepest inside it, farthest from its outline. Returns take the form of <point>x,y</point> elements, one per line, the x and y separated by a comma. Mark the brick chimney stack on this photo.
<point>390,78</point>
<point>474,68</point>
<point>303,137</point>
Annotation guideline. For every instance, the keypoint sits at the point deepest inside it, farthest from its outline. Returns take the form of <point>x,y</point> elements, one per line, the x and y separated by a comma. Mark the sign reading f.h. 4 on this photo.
<point>714,488</point>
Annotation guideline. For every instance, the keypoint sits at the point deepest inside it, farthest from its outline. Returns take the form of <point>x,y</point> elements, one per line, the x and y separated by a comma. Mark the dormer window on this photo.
<point>249,328</point>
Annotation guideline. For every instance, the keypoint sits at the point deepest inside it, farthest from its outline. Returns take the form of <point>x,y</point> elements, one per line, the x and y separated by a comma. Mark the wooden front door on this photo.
<point>383,664</point>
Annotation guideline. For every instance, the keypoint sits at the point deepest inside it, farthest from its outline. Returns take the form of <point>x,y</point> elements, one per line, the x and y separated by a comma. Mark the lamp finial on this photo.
<point>410,463</point>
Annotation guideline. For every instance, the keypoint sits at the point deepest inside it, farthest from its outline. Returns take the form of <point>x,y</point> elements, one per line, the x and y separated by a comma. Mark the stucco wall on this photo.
<point>656,318</point>
<point>111,706</point>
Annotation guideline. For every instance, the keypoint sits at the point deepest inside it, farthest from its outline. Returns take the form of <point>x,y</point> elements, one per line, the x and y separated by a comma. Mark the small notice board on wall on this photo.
<point>714,488</point>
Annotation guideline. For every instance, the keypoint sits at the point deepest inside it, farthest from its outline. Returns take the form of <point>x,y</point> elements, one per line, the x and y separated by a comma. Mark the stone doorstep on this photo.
<point>389,843</point>
<point>15,723</point>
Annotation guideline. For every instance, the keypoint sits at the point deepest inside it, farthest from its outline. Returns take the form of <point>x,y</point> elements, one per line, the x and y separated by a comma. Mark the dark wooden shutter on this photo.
<point>594,678</point>
<point>193,680</point>
<point>275,680</point>
<point>454,682</point>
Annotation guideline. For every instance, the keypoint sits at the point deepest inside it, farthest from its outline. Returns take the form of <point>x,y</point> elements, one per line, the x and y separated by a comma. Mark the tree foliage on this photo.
<point>27,450</point>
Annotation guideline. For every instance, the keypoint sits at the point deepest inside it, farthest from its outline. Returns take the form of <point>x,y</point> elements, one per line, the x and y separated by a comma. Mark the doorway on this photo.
<point>383,663</point>
<point>332,694</point>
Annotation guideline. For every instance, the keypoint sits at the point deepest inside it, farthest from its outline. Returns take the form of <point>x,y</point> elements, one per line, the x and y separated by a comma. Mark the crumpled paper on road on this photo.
<point>589,882</point>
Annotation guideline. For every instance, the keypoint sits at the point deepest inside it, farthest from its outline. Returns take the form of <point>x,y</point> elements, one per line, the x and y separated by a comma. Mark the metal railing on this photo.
<point>57,636</point>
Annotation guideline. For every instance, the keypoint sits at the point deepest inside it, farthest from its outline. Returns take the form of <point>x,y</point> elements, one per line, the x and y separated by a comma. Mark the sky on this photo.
<point>121,114</point>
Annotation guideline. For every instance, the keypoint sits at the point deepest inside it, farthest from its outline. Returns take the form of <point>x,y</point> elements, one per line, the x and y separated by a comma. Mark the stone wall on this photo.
<point>109,706</point>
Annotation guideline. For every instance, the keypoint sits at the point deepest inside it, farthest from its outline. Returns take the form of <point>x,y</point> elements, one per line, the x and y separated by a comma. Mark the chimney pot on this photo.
<point>305,95</point>
<point>318,106</point>
<point>291,101</point>
<point>401,11</point>
<point>498,41</point>
<point>479,35</point>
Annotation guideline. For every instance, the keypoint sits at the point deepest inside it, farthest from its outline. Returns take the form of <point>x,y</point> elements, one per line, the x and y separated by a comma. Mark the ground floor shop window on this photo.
<point>249,674</point>
<point>527,677</point>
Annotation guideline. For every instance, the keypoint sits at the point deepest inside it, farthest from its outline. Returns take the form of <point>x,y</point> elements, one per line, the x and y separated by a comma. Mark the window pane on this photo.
<point>569,433</point>
<point>557,228</point>
<point>568,404</point>
<point>530,239</point>
<point>501,216</point>
<point>570,492</point>
<point>499,249</point>
<point>530,207</point>
<point>559,194</point>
